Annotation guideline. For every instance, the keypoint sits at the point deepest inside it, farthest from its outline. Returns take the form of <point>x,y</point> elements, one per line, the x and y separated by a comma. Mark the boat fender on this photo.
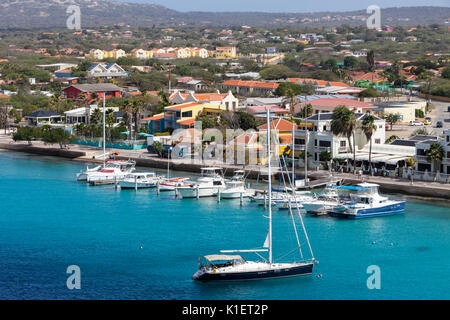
<point>214,270</point>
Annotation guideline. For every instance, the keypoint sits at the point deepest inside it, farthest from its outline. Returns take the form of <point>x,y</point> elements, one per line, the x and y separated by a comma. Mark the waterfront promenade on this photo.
<point>144,159</point>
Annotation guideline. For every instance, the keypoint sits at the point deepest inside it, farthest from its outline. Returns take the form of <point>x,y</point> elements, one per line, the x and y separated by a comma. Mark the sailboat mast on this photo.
<point>270,184</point>
<point>104,130</point>
<point>293,156</point>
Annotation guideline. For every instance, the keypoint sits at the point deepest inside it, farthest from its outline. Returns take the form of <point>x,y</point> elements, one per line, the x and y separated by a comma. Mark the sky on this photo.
<point>287,5</point>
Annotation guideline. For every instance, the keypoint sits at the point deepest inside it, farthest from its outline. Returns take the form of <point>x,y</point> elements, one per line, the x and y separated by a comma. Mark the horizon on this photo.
<point>287,5</point>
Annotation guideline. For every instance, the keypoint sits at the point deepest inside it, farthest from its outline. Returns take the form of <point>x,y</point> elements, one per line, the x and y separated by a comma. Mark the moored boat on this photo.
<point>139,180</point>
<point>172,183</point>
<point>114,171</point>
<point>367,202</point>
<point>207,186</point>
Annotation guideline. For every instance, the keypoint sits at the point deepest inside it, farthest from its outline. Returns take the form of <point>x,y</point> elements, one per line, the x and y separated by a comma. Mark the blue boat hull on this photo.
<point>271,274</point>
<point>389,210</point>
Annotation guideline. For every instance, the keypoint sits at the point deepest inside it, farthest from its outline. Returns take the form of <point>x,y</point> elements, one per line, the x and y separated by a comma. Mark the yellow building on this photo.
<point>181,115</point>
<point>225,52</point>
<point>96,54</point>
<point>141,54</point>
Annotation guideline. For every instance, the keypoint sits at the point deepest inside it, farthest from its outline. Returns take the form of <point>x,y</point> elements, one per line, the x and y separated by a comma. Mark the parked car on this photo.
<point>415,123</point>
<point>427,121</point>
<point>439,124</point>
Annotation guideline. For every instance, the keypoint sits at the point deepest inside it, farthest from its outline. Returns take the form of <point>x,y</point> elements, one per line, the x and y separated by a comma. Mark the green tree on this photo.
<point>392,118</point>
<point>446,73</point>
<point>275,72</point>
<point>285,87</point>
<point>246,120</point>
<point>369,92</point>
<point>391,139</point>
<point>344,124</point>
<point>96,116</point>
<point>368,127</point>
<point>435,154</point>
<point>371,60</point>
<point>350,62</point>
<point>110,120</point>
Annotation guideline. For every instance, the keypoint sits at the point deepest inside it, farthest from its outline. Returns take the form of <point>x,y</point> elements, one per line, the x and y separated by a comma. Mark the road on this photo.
<point>438,113</point>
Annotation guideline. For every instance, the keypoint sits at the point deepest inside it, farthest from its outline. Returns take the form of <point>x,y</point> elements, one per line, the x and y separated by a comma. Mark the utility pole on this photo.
<point>170,67</point>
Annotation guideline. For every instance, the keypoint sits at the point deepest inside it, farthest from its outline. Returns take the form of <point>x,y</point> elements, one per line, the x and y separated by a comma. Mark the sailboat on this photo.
<point>231,266</point>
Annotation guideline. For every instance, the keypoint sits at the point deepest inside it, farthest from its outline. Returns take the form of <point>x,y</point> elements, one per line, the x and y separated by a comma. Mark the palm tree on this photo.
<point>368,127</point>
<point>371,59</point>
<point>435,154</point>
<point>137,110</point>
<point>110,120</point>
<point>96,116</point>
<point>344,124</point>
<point>128,110</point>
<point>55,102</point>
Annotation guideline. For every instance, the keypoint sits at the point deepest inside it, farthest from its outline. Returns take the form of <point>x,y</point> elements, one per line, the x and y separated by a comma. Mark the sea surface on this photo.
<point>138,245</point>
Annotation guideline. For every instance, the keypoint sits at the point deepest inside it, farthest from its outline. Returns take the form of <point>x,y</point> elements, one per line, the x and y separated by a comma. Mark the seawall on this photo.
<point>56,152</point>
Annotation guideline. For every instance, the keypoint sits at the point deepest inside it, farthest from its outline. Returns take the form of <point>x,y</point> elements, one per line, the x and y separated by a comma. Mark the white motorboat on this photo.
<point>207,186</point>
<point>82,176</point>
<point>115,170</point>
<point>293,200</point>
<point>367,202</point>
<point>235,187</point>
<point>261,198</point>
<point>173,183</point>
<point>139,180</point>
<point>324,202</point>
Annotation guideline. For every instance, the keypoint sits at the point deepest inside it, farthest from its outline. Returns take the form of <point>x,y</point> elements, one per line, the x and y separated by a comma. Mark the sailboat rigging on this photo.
<point>219,267</point>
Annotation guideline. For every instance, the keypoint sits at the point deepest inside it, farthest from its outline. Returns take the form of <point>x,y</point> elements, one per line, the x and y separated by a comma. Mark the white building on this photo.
<point>422,161</point>
<point>321,138</point>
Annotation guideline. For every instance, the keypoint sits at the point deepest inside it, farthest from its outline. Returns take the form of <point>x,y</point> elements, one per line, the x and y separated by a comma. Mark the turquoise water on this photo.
<point>136,245</point>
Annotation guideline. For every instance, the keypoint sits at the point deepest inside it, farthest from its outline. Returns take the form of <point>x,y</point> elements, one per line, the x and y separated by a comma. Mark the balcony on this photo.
<point>318,148</point>
<point>422,158</point>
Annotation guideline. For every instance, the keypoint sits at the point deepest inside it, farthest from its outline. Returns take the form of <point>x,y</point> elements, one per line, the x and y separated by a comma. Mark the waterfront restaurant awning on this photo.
<point>391,159</point>
<point>343,156</point>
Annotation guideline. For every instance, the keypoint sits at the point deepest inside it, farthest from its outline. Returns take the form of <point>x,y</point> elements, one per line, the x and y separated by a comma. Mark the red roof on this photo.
<point>210,96</point>
<point>319,82</point>
<point>157,117</point>
<point>279,124</point>
<point>252,84</point>
<point>186,122</point>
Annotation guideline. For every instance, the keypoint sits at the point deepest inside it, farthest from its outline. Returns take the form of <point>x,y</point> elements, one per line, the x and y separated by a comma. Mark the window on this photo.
<point>186,114</point>
<point>324,128</point>
<point>299,141</point>
<point>343,144</point>
<point>420,152</point>
<point>377,141</point>
<point>324,144</point>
